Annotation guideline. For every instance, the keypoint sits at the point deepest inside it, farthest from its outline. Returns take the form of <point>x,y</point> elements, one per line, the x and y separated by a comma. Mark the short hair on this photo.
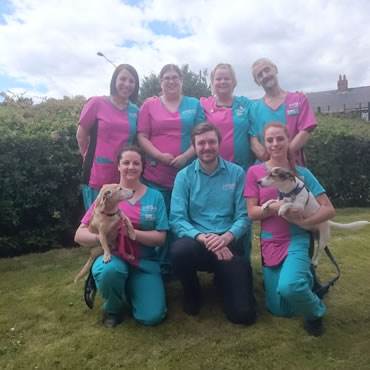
<point>170,67</point>
<point>261,61</point>
<point>203,127</point>
<point>130,69</point>
<point>223,66</point>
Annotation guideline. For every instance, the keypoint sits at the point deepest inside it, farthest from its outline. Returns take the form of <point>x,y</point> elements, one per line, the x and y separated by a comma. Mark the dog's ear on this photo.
<point>286,175</point>
<point>101,199</point>
<point>106,195</point>
<point>282,174</point>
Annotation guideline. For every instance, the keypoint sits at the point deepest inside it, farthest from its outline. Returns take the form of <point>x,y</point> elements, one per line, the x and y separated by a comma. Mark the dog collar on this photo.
<point>294,192</point>
<point>110,214</point>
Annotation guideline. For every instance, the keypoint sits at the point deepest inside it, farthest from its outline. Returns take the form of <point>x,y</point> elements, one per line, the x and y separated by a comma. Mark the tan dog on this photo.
<point>294,194</point>
<point>105,222</point>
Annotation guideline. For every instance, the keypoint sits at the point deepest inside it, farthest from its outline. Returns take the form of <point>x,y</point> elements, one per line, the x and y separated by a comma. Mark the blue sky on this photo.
<point>49,48</point>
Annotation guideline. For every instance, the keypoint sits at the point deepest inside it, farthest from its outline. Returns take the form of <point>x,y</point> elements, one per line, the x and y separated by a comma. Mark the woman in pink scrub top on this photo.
<point>285,242</point>
<point>231,115</point>
<point>106,124</point>
<point>164,129</point>
<point>164,133</point>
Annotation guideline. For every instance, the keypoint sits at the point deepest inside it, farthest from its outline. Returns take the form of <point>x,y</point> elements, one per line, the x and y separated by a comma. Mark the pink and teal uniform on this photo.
<point>135,281</point>
<point>234,125</point>
<point>295,112</point>
<point>285,252</point>
<point>168,132</point>
<point>115,128</point>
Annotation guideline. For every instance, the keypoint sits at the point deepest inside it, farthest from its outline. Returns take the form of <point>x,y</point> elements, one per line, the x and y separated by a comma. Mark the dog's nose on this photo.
<point>133,191</point>
<point>259,182</point>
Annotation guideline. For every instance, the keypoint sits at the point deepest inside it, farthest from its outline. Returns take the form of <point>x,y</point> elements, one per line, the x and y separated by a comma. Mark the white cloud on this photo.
<point>54,43</point>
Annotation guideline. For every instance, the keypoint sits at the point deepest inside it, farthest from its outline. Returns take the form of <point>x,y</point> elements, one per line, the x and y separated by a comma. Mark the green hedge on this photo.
<point>40,176</point>
<point>40,167</point>
<point>339,155</point>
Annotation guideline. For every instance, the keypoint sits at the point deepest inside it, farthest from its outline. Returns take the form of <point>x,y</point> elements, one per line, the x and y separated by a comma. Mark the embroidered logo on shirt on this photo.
<point>188,112</point>
<point>149,217</point>
<point>149,208</point>
<point>240,111</point>
<point>228,186</point>
<point>293,109</point>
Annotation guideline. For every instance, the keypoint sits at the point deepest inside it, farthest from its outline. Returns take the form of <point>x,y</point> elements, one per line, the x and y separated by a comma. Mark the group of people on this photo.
<point>192,166</point>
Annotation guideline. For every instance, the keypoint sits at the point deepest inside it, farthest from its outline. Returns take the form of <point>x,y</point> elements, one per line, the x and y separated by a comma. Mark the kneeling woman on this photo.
<point>284,241</point>
<point>137,281</point>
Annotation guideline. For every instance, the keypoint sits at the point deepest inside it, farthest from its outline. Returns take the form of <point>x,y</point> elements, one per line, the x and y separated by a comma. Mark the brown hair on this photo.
<point>170,67</point>
<point>130,69</point>
<point>132,148</point>
<point>277,124</point>
<point>201,128</point>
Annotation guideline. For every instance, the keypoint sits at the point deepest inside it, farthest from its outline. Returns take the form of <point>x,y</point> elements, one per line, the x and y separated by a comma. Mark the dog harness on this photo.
<point>110,214</point>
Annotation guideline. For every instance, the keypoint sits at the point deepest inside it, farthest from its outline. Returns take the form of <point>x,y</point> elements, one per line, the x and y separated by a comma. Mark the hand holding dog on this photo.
<point>128,228</point>
<point>295,216</point>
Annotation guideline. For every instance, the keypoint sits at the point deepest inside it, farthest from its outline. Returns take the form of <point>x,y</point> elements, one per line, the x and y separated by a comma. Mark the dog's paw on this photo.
<point>268,203</point>
<point>107,257</point>
<point>281,212</point>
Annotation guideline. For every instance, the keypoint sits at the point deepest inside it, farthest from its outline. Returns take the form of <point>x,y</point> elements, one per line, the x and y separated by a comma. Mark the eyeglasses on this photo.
<point>170,78</point>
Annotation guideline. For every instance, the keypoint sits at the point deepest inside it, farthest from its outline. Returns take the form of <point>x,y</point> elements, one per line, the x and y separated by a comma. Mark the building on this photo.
<point>344,100</point>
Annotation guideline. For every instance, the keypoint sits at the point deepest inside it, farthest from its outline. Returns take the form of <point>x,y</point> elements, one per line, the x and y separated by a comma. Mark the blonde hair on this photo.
<point>223,66</point>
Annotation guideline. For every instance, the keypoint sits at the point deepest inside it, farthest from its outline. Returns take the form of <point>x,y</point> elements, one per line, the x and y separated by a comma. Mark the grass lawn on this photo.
<point>44,323</point>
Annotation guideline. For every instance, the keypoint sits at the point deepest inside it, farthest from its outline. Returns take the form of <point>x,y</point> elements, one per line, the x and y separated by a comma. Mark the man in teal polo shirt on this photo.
<point>209,217</point>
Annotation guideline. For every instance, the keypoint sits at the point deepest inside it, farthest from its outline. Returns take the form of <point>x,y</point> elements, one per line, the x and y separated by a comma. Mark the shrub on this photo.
<point>40,177</point>
<point>40,168</point>
<point>339,155</point>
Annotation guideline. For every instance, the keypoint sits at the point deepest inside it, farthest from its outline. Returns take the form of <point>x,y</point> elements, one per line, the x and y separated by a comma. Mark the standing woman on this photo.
<point>231,115</point>
<point>164,130</point>
<point>164,133</point>
<point>284,241</point>
<point>106,124</point>
<point>135,282</point>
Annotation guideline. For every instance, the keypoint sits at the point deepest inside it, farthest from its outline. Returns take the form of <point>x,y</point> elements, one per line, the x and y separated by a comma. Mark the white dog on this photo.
<point>294,194</point>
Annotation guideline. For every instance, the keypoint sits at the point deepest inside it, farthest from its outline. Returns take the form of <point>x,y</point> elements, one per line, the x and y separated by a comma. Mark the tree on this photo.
<point>150,86</point>
<point>193,84</point>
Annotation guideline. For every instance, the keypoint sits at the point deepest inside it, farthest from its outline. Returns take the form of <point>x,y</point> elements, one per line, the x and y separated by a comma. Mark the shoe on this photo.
<point>314,327</point>
<point>111,320</point>
<point>90,291</point>
<point>191,304</point>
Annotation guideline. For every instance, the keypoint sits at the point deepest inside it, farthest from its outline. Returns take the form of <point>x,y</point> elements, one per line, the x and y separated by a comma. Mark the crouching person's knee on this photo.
<point>293,289</point>
<point>154,317</point>
<point>242,316</point>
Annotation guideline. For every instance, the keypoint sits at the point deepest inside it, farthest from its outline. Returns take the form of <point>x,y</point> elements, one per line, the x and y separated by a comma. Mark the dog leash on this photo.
<point>323,289</point>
